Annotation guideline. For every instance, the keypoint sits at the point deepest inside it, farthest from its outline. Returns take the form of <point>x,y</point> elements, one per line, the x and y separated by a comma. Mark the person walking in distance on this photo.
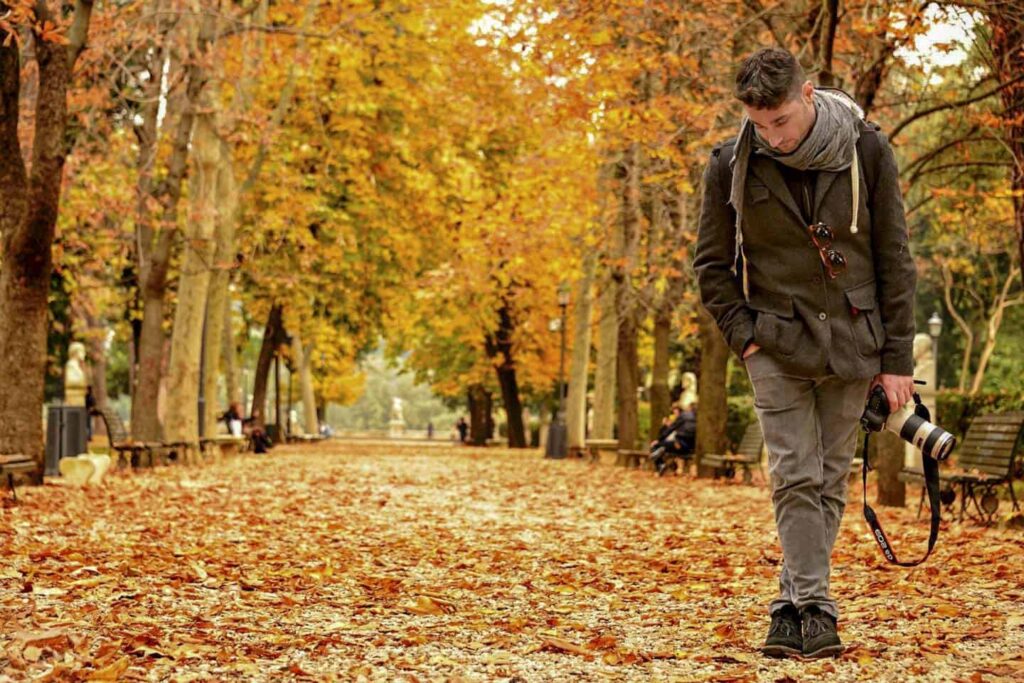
<point>802,258</point>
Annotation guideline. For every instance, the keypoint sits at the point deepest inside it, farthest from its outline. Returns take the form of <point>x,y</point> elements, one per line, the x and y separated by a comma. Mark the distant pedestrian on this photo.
<point>430,430</point>
<point>463,428</point>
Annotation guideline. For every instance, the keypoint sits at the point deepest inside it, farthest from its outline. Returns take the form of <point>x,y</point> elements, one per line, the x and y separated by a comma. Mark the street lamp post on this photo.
<point>556,447</point>
<point>934,330</point>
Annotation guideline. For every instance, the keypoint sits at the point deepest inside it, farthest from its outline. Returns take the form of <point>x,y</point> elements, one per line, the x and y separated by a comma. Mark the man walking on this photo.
<point>802,259</point>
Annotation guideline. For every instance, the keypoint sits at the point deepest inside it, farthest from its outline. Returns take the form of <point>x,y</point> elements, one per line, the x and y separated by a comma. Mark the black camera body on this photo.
<point>876,412</point>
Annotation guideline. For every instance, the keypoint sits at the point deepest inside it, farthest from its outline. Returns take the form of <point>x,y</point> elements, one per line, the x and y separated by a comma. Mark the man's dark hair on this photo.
<point>768,78</point>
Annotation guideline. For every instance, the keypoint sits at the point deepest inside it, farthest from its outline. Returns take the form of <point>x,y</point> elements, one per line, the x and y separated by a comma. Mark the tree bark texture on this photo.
<point>225,197</point>
<point>227,345</point>
<point>154,249</point>
<point>300,363</point>
<point>626,304</point>
<point>607,353</point>
<point>713,408</point>
<point>661,400</point>
<point>576,402</point>
<point>499,348</point>
<point>1007,44</point>
<point>887,454</point>
<point>479,414</point>
<point>272,334</point>
<point>182,418</point>
<point>29,204</point>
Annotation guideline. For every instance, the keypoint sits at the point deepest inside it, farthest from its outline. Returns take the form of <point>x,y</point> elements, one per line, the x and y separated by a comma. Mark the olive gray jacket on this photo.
<point>860,323</point>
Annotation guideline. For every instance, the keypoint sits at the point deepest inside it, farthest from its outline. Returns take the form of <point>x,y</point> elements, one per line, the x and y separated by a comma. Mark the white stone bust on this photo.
<point>688,399</point>
<point>75,381</point>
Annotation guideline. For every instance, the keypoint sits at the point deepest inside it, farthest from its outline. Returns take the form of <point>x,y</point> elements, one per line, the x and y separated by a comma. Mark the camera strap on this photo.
<point>931,480</point>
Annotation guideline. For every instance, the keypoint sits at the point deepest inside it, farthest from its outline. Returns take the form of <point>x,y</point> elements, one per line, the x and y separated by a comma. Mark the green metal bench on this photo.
<point>16,463</point>
<point>986,460</point>
<point>747,456</point>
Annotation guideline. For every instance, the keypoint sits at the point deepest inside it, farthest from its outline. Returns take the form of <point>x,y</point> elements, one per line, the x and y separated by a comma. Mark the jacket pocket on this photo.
<point>776,328</point>
<point>758,193</point>
<point>865,319</point>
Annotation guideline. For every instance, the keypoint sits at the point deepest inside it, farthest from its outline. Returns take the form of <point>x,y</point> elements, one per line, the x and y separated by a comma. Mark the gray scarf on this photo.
<point>829,146</point>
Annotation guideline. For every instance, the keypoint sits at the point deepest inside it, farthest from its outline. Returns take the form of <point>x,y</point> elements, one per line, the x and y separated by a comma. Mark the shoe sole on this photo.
<point>780,651</point>
<point>827,651</point>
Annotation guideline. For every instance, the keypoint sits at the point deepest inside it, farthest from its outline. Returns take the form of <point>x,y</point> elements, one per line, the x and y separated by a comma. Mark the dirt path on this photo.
<point>341,560</point>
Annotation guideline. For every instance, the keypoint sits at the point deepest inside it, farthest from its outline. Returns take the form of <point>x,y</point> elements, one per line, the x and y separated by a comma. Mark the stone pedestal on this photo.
<point>924,370</point>
<point>396,428</point>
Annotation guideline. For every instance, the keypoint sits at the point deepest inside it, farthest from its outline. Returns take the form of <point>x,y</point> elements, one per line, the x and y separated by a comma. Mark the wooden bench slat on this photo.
<point>985,458</point>
<point>995,438</point>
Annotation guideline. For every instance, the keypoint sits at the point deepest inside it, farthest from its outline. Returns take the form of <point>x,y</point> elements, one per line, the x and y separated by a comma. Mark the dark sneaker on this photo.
<point>784,639</point>
<point>820,636</point>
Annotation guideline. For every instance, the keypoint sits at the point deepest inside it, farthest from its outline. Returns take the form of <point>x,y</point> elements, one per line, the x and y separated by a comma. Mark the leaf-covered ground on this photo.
<point>382,562</point>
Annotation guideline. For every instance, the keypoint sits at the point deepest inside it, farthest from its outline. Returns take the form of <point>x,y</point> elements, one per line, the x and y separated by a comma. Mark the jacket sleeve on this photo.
<point>895,272</point>
<point>721,291</point>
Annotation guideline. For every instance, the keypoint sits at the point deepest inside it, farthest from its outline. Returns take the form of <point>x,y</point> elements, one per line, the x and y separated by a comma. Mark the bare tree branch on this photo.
<point>951,105</point>
<point>79,30</point>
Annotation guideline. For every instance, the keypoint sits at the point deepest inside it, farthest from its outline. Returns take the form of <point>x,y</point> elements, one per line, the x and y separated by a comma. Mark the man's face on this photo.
<point>785,127</point>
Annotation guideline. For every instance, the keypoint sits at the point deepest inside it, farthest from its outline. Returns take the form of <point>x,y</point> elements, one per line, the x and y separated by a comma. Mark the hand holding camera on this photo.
<point>910,422</point>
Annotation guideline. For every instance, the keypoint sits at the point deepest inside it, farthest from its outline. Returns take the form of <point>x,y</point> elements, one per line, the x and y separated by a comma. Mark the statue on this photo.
<point>396,426</point>
<point>924,370</point>
<point>688,398</point>
<point>75,381</point>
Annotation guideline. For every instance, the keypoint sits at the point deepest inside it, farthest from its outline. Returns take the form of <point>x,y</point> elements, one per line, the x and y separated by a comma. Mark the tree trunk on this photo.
<point>626,305</point>
<point>301,362</point>
<point>513,407</point>
<point>225,198</point>
<point>887,454</point>
<point>154,249</point>
<point>182,420</point>
<point>479,414</point>
<point>628,379</point>
<point>576,402</point>
<point>28,217</point>
<point>95,336</point>
<point>227,345</point>
<point>1006,44</point>
<point>607,353</point>
<point>713,409</point>
<point>660,399</point>
<point>992,325</point>
<point>499,347</point>
<point>271,336</point>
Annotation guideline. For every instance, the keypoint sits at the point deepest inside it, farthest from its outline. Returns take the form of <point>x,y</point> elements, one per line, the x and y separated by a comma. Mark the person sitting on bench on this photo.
<point>261,442</point>
<point>677,437</point>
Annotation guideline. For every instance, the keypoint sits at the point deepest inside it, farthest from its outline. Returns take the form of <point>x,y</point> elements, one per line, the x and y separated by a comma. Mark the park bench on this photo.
<point>747,456</point>
<point>224,444</point>
<point>130,451</point>
<point>15,464</point>
<point>304,438</point>
<point>593,447</point>
<point>986,460</point>
<point>628,457</point>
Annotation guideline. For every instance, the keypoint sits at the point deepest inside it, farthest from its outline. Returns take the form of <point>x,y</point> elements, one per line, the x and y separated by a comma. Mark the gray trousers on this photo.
<point>810,428</point>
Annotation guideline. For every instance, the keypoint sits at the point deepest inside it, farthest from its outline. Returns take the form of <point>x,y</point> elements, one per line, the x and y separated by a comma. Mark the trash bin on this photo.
<point>273,433</point>
<point>66,434</point>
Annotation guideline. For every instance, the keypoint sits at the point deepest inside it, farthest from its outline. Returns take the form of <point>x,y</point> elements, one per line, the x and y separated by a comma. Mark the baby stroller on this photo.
<point>676,441</point>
